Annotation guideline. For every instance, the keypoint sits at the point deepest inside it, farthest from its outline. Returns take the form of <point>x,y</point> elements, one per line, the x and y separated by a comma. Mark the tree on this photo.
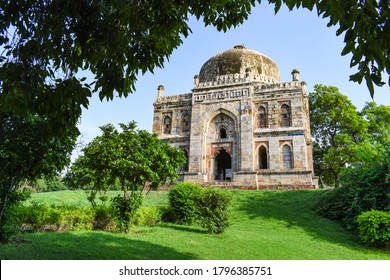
<point>338,131</point>
<point>366,29</point>
<point>27,152</point>
<point>46,44</point>
<point>378,118</point>
<point>134,158</point>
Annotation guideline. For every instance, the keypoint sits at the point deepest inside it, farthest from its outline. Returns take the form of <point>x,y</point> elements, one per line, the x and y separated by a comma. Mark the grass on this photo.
<point>275,225</point>
<point>79,198</point>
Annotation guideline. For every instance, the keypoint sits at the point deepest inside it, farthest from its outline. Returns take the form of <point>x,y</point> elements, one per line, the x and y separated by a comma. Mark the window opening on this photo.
<point>287,157</point>
<point>263,161</point>
<point>185,122</point>
<point>285,116</point>
<point>167,125</point>
<point>262,117</point>
<point>222,133</point>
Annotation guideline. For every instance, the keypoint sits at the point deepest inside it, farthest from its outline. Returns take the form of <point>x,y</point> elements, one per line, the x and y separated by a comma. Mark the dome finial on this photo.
<point>160,91</point>
<point>196,80</point>
<point>239,47</point>
<point>295,75</point>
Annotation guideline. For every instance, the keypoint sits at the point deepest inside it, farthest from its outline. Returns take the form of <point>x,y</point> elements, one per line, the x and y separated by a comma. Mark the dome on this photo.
<point>239,60</point>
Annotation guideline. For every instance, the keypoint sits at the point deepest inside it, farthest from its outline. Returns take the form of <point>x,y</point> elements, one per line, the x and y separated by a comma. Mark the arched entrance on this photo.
<point>263,161</point>
<point>221,134</point>
<point>223,163</point>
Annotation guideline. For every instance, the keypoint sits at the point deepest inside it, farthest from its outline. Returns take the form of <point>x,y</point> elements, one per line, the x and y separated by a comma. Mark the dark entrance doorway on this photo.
<point>263,158</point>
<point>224,165</point>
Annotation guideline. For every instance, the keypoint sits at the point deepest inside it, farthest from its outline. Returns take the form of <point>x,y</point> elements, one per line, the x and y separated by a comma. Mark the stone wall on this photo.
<point>234,103</point>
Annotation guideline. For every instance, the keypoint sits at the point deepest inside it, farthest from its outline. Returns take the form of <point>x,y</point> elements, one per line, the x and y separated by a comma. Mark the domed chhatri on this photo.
<point>240,126</point>
<point>239,60</point>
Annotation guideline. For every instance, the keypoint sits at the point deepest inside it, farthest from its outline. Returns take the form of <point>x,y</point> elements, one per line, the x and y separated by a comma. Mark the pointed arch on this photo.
<point>263,157</point>
<point>287,157</point>
<point>167,125</point>
<point>214,114</point>
<point>262,117</point>
<point>185,121</point>
<point>285,115</point>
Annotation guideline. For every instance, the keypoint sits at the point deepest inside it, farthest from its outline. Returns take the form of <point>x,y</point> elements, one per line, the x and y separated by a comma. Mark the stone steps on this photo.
<point>221,184</point>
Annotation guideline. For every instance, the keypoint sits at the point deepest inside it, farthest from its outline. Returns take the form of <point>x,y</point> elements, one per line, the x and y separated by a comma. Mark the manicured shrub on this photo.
<point>40,217</point>
<point>37,217</point>
<point>374,227</point>
<point>213,209</point>
<point>208,207</point>
<point>149,216</point>
<point>182,201</point>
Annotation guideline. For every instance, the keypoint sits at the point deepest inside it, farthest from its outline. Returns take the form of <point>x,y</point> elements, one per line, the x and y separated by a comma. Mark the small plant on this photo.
<point>208,207</point>
<point>213,210</point>
<point>182,200</point>
<point>125,209</point>
<point>374,227</point>
<point>148,216</point>
<point>35,215</point>
<point>103,218</point>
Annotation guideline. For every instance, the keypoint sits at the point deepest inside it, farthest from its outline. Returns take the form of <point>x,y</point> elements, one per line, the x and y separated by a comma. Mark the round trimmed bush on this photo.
<point>213,209</point>
<point>182,201</point>
<point>374,227</point>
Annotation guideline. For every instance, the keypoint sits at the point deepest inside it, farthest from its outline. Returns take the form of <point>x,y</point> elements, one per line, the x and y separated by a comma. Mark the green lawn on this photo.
<point>275,225</point>
<point>80,198</point>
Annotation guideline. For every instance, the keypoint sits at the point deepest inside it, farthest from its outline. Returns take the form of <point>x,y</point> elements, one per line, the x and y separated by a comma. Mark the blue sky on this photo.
<point>294,40</point>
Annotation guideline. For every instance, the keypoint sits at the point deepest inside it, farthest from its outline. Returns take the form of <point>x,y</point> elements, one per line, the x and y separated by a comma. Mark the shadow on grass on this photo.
<point>296,209</point>
<point>89,245</point>
<point>183,228</point>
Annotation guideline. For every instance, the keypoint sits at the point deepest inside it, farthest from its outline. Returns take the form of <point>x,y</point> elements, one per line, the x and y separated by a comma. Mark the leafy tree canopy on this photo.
<point>27,152</point>
<point>342,135</point>
<point>378,118</point>
<point>45,44</point>
<point>133,157</point>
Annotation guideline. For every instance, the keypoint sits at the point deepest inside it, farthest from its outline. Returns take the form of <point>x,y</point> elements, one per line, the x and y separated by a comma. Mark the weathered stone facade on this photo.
<point>241,126</point>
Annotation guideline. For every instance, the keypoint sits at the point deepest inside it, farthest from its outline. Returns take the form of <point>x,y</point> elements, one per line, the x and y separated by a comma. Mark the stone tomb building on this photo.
<point>241,126</point>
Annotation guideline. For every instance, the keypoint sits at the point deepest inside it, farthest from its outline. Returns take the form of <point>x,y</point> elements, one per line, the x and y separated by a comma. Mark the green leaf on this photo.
<point>349,35</point>
<point>350,47</point>
<point>370,85</point>
<point>278,4</point>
